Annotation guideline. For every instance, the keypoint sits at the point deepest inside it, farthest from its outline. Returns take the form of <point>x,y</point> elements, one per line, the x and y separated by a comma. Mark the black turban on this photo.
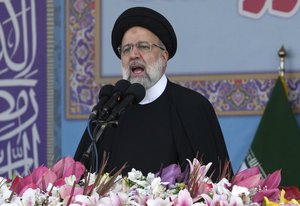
<point>149,19</point>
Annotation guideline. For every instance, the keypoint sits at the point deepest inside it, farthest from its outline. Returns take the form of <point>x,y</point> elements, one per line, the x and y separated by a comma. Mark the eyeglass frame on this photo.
<point>136,45</point>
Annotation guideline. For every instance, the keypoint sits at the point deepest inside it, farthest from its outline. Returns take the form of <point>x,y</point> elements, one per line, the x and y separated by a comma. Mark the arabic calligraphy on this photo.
<point>19,135</point>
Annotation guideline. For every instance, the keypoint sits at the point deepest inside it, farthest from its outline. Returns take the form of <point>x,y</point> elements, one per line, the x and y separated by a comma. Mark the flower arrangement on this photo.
<point>68,183</point>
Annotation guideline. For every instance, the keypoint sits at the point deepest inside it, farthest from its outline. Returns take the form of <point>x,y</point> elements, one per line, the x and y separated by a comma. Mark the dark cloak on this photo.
<point>181,124</point>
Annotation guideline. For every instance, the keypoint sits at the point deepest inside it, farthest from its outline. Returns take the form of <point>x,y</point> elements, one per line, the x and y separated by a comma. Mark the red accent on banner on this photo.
<point>253,6</point>
<point>284,5</point>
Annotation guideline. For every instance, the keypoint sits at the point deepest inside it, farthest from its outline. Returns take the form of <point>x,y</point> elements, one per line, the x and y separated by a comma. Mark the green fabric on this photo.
<point>276,144</point>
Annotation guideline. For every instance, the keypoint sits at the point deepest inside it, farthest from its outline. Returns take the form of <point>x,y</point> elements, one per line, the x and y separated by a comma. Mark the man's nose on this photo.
<point>134,52</point>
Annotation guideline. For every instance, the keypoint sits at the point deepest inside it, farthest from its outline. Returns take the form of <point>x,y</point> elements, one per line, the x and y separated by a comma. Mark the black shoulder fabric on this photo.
<point>200,123</point>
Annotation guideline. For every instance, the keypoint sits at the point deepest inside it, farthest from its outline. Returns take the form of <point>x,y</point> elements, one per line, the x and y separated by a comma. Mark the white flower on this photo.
<point>134,175</point>
<point>221,188</point>
<point>156,186</point>
<point>12,204</point>
<point>238,191</point>
<point>199,204</point>
<point>241,192</point>
<point>29,197</point>
<point>15,201</point>
<point>54,201</point>
<point>137,177</point>
<point>52,189</point>
<point>2,181</point>
<point>86,200</point>
<point>91,178</point>
<point>235,200</point>
<point>119,185</point>
<point>105,201</point>
<point>136,200</point>
<point>159,201</point>
<point>70,180</point>
<point>150,177</point>
<point>123,196</point>
<point>4,193</point>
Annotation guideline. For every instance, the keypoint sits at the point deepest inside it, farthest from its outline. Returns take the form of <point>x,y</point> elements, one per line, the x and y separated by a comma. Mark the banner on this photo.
<point>23,86</point>
<point>277,140</point>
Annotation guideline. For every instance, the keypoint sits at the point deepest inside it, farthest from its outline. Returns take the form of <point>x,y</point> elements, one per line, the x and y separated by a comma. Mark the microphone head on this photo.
<point>121,86</point>
<point>138,91</point>
<point>106,90</point>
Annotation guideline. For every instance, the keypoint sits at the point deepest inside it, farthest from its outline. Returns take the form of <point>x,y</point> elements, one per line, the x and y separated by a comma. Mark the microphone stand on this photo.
<point>99,129</point>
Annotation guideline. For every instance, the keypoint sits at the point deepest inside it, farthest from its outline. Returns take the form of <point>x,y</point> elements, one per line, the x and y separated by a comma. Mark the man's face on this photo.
<point>139,63</point>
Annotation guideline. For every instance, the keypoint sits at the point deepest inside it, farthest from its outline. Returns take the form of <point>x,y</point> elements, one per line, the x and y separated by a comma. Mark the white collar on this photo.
<point>155,91</point>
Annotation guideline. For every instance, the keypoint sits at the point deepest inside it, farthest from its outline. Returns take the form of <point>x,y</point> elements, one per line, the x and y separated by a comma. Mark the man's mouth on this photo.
<point>137,70</point>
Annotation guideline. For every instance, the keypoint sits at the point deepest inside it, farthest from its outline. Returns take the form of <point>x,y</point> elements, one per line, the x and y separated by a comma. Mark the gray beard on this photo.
<point>153,73</point>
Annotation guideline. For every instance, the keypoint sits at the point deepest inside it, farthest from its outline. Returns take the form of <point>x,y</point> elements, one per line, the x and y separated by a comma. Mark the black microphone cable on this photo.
<point>104,95</point>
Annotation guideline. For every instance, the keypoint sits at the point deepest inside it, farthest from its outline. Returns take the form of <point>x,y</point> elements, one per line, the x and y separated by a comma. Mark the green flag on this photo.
<point>276,144</point>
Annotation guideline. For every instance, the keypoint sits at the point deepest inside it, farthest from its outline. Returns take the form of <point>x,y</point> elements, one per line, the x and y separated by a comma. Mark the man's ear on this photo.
<point>165,55</point>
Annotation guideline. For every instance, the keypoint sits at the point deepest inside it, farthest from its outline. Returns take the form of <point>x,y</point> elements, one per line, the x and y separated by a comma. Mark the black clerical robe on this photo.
<point>181,124</point>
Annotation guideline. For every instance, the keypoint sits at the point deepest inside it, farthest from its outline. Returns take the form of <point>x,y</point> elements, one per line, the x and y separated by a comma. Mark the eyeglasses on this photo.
<point>142,47</point>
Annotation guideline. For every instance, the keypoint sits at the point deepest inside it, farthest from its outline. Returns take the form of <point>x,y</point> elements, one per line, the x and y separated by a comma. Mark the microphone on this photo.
<point>104,95</point>
<point>134,94</point>
<point>120,88</point>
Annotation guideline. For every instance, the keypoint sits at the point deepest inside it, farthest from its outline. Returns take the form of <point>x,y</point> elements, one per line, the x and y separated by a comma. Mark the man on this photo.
<point>172,123</point>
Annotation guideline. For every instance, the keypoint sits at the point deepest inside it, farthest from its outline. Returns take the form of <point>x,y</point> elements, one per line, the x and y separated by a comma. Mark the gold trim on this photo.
<point>50,82</point>
<point>67,52</point>
<point>242,76</point>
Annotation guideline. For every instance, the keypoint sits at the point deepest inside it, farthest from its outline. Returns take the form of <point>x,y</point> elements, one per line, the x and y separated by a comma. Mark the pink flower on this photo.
<point>198,182</point>
<point>197,169</point>
<point>271,194</point>
<point>20,185</point>
<point>42,176</point>
<point>115,199</point>
<point>248,178</point>
<point>269,187</point>
<point>66,191</point>
<point>252,178</point>
<point>184,199</point>
<point>67,167</point>
<point>273,180</point>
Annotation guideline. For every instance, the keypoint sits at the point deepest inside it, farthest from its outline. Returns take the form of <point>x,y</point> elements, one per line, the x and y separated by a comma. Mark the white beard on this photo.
<point>153,73</point>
